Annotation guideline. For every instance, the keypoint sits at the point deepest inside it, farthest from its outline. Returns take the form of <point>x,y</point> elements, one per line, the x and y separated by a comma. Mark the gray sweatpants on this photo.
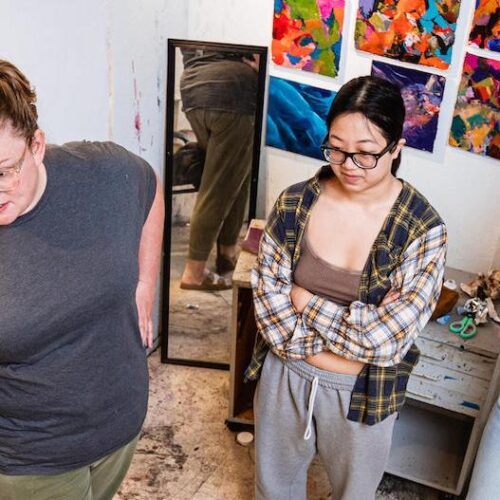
<point>301,410</point>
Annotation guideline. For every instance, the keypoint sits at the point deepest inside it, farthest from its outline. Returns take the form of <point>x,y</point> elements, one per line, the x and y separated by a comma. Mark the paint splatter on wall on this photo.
<point>422,94</point>
<point>307,35</point>
<point>415,31</point>
<point>485,32</point>
<point>476,121</point>
<point>137,114</point>
<point>296,118</point>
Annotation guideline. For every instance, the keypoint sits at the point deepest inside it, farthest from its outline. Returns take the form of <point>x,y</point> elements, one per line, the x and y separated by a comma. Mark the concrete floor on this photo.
<point>186,451</point>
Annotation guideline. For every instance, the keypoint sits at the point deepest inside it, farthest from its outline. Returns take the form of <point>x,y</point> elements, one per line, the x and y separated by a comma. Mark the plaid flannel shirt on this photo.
<point>408,256</point>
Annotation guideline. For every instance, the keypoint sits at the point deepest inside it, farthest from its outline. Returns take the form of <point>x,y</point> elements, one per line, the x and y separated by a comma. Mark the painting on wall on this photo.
<point>422,94</point>
<point>485,31</point>
<point>307,35</point>
<point>476,121</point>
<point>296,117</point>
<point>414,31</point>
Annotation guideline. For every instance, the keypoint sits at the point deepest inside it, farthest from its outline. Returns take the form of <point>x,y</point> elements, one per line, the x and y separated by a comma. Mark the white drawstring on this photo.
<point>312,397</point>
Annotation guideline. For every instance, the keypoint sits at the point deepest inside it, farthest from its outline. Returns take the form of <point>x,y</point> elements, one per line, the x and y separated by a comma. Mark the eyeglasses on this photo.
<point>10,175</point>
<point>361,160</point>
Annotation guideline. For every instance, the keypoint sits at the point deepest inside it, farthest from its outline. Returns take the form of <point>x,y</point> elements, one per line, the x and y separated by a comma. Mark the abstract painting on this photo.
<point>485,32</point>
<point>307,35</point>
<point>415,31</point>
<point>476,121</point>
<point>422,94</point>
<point>296,117</point>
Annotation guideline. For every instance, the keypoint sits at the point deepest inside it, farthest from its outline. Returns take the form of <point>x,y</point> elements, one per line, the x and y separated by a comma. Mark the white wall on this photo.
<point>99,66</point>
<point>138,32</point>
<point>59,46</point>
<point>463,187</point>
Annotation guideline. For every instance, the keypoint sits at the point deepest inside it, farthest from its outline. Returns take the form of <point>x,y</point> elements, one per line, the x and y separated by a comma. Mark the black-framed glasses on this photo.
<point>361,160</point>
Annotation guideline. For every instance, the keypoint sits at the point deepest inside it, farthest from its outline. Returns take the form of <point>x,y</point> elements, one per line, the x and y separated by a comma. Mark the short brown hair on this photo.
<point>17,101</point>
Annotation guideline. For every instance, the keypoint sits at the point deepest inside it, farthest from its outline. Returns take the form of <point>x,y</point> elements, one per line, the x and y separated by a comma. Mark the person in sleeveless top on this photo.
<point>80,244</point>
<point>349,270</point>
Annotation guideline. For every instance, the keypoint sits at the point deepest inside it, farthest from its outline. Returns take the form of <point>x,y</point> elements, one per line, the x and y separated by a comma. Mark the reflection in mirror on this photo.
<point>214,118</point>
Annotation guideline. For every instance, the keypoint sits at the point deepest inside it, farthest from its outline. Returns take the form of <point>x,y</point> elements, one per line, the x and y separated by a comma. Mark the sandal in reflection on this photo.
<point>224,264</point>
<point>211,283</point>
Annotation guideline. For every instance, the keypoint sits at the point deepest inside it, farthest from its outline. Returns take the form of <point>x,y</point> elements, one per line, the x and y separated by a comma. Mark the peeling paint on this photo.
<point>158,89</point>
<point>137,125</point>
<point>469,404</point>
<point>137,115</point>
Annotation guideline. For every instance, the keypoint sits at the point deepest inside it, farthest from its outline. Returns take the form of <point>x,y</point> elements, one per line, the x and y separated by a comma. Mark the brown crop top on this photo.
<point>324,279</point>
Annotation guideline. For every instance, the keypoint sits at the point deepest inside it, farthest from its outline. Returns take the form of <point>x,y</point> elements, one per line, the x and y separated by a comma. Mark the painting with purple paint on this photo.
<point>422,94</point>
<point>476,122</point>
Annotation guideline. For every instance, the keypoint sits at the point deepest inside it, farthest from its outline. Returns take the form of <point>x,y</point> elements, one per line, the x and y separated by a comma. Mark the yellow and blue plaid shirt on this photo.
<point>408,256</point>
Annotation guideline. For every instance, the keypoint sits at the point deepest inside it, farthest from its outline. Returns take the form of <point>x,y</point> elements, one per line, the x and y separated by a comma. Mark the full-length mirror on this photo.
<point>215,95</point>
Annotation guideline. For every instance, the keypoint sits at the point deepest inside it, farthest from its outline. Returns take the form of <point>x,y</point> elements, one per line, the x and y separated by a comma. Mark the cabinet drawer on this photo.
<point>450,378</point>
<point>455,359</point>
<point>447,389</point>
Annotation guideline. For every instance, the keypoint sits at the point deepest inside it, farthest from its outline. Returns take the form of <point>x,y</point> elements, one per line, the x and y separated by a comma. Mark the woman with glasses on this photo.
<point>349,270</point>
<point>80,242</point>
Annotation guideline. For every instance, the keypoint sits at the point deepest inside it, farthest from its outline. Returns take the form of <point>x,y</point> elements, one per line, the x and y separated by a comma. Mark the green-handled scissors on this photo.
<point>466,327</point>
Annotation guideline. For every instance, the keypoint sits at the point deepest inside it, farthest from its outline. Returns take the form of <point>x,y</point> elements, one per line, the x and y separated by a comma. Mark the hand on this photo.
<point>145,298</point>
<point>390,296</point>
<point>300,297</point>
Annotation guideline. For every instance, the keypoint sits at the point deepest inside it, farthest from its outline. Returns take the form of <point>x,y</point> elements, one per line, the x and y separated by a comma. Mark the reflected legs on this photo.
<point>220,205</point>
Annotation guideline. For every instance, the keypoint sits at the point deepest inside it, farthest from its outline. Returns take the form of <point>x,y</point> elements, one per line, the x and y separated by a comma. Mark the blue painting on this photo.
<point>296,117</point>
<point>422,94</point>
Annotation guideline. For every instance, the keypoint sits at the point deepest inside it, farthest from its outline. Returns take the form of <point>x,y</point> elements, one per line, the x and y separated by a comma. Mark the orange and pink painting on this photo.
<point>414,31</point>
<point>307,35</point>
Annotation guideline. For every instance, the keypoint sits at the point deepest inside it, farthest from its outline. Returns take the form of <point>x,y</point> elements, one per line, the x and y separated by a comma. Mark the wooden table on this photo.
<point>450,392</point>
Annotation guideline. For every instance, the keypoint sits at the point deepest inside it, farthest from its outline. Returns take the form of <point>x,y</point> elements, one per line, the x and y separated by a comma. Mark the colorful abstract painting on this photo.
<point>296,117</point>
<point>415,31</point>
<point>485,32</point>
<point>307,34</point>
<point>422,94</point>
<point>476,121</point>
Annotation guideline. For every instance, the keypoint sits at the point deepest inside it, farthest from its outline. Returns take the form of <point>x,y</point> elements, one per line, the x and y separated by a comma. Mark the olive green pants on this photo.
<point>218,214</point>
<point>97,481</point>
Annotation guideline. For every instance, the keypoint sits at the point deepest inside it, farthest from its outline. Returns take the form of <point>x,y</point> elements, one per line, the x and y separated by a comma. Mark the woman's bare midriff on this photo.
<point>333,363</point>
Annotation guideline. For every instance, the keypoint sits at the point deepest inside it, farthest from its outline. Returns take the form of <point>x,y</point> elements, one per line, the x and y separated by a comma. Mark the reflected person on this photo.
<point>80,244</point>
<point>218,91</point>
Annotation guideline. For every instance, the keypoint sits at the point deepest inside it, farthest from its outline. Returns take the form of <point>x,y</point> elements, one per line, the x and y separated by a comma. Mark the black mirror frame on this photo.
<point>172,44</point>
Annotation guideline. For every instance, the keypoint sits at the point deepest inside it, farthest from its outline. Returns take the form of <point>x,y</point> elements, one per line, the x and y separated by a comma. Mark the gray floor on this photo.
<point>186,451</point>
